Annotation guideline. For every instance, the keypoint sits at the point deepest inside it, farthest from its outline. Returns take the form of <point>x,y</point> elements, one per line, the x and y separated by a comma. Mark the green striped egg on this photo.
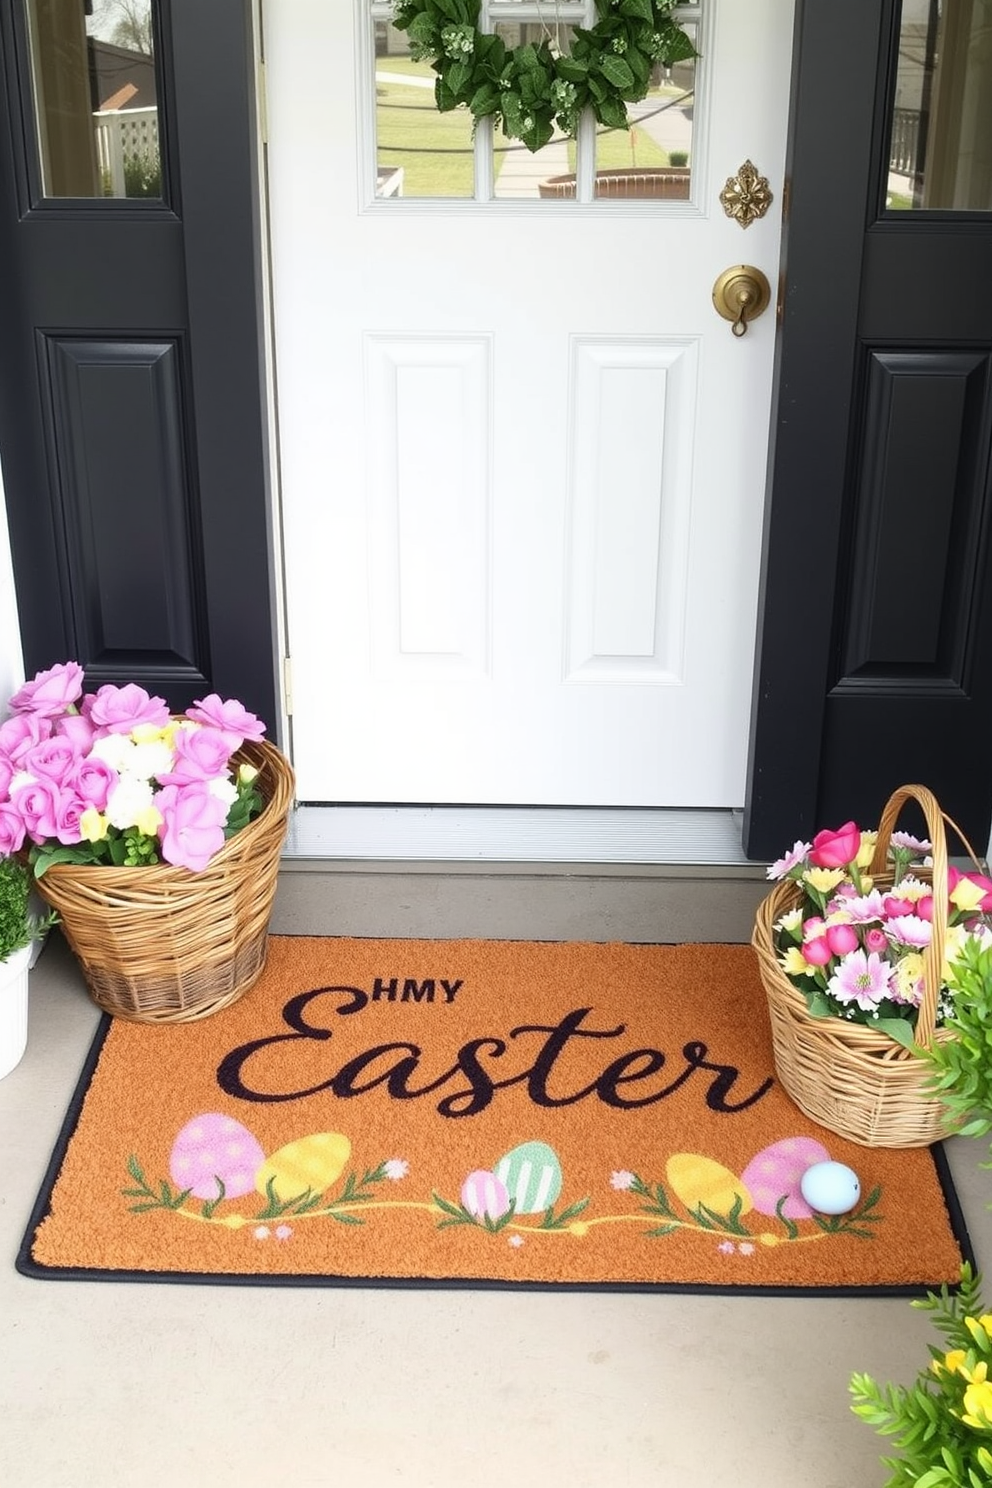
<point>531,1174</point>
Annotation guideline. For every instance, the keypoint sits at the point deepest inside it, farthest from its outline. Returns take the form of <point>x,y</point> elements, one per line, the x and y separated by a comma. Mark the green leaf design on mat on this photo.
<point>553,1221</point>
<point>457,1214</point>
<point>162,1198</point>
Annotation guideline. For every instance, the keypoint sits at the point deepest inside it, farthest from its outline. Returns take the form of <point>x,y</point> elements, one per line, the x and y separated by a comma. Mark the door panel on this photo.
<point>876,650</point>
<point>132,424</point>
<point>522,456</point>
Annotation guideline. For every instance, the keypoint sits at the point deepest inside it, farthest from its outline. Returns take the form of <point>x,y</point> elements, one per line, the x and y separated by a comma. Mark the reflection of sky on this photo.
<point>108,14</point>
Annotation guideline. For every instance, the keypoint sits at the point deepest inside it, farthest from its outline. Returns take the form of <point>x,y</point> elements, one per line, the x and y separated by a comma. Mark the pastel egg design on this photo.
<point>484,1196</point>
<point>210,1150</point>
<point>831,1187</point>
<point>310,1163</point>
<point>701,1180</point>
<point>778,1170</point>
<point>531,1175</point>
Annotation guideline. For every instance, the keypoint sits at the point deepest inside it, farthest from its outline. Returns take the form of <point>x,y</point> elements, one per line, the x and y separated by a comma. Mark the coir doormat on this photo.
<point>474,1113</point>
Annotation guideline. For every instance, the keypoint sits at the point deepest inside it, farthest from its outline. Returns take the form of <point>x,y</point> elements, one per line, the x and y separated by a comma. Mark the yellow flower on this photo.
<point>980,1329</point>
<point>148,733</point>
<point>247,773</point>
<point>908,977</point>
<point>148,821</point>
<point>794,963</point>
<point>951,1361</point>
<point>93,825</point>
<point>867,849</point>
<point>978,1406</point>
<point>966,895</point>
<point>823,879</point>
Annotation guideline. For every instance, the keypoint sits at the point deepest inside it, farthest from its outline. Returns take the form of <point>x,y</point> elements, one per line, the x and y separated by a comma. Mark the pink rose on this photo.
<point>55,758</point>
<point>50,693</point>
<point>77,729</point>
<point>836,849</point>
<point>69,809</point>
<point>842,939</point>
<point>230,716</point>
<point>21,733</point>
<point>201,754</point>
<point>120,709</point>
<point>11,829</point>
<point>6,776</point>
<point>39,804</point>
<point>192,829</point>
<point>92,781</point>
<point>876,940</point>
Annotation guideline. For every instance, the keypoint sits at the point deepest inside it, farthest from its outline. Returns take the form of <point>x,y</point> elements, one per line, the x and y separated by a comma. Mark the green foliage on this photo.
<point>18,926</point>
<point>530,90</point>
<point>940,1424</point>
<point>962,1066</point>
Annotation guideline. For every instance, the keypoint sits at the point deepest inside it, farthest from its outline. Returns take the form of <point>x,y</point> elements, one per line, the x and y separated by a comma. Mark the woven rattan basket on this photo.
<point>163,945</point>
<point>850,1078</point>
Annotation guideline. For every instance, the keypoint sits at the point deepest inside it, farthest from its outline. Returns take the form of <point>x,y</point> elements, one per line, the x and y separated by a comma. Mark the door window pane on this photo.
<point>419,152</point>
<point>95,96</point>
<point>940,154</point>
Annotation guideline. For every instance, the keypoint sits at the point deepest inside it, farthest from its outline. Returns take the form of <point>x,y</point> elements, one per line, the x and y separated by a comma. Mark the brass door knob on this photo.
<point>740,295</point>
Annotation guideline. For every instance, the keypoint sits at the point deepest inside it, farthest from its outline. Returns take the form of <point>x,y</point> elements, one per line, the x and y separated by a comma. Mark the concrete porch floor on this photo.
<point>170,1386</point>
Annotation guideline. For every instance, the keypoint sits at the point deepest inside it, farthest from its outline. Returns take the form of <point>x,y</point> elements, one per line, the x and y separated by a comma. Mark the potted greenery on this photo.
<point>942,1423</point>
<point>19,930</point>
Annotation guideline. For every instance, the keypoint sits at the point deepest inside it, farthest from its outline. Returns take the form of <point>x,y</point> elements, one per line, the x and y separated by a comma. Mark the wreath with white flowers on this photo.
<point>529,90</point>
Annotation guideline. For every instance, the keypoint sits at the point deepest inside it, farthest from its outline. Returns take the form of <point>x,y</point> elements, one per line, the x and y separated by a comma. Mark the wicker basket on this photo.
<point>848,1077</point>
<point>163,945</point>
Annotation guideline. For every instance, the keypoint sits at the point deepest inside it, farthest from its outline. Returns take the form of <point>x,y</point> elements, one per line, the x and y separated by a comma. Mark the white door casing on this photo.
<point>522,457</point>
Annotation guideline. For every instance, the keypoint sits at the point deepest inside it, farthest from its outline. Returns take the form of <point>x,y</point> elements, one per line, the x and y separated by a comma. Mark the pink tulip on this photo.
<point>842,939</point>
<point>817,951</point>
<point>192,829</point>
<point>50,693</point>
<point>836,849</point>
<point>954,877</point>
<point>894,906</point>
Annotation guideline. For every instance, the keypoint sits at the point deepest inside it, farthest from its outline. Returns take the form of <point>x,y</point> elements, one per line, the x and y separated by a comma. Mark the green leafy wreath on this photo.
<point>528,90</point>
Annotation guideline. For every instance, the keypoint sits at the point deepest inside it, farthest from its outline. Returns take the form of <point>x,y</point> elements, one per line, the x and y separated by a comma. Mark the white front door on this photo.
<point>522,458</point>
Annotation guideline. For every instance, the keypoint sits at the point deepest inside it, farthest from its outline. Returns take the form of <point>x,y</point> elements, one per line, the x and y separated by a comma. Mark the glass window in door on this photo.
<point>95,97</point>
<point>940,152</point>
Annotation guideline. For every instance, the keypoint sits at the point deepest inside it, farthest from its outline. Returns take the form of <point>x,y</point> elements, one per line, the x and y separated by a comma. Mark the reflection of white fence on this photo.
<point>125,136</point>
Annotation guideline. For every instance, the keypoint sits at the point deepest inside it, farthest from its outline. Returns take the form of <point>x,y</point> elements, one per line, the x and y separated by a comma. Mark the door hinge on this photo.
<point>262,103</point>
<point>287,684</point>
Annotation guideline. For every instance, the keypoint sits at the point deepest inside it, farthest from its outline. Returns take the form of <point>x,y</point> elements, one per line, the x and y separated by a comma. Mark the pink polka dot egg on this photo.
<point>211,1149</point>
<point>776,1173</point>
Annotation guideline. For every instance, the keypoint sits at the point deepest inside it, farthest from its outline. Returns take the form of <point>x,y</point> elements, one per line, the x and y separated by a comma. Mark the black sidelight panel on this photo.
<point>127,509</point>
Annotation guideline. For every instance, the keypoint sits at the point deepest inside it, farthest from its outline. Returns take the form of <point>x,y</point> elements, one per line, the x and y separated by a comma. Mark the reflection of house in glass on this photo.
<point>122,85</point>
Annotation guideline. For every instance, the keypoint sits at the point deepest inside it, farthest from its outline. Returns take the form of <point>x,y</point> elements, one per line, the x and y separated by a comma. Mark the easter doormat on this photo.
<point>472,1114</point>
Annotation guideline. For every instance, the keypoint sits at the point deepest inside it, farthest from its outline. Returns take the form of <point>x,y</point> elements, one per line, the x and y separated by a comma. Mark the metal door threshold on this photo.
<point>504,834</point>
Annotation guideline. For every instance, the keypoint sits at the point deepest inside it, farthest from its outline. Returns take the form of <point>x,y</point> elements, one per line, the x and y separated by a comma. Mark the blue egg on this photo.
<point>830,1188</point>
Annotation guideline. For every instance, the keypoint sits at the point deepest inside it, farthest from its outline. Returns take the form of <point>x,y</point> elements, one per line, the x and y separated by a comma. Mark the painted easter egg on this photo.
<point>531,1175</point>
<point>212,1150</point>
<point>310,1163</point>
<point>831,1187</point>
<point>701,1180</point>
<point>484,1196</point>
<point>777,1172</point>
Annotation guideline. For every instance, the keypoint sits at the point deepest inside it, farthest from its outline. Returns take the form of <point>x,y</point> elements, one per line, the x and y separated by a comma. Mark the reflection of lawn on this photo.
<point>619,149</point>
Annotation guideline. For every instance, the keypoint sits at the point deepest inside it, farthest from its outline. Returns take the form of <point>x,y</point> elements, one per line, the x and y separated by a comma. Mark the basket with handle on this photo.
<point>159,944</point>
<point>850,1078</point>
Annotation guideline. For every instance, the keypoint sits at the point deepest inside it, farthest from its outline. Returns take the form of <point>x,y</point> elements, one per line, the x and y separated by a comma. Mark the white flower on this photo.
<point>148,760</point>
<point>622,1179</point>
<point>225,790</point>
<point>746,1248</point>
<point>516,1241</point>
<point>396,1168</point>
<point>128,800</point>
<point>115,750</point>
<point>261,1232</point>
